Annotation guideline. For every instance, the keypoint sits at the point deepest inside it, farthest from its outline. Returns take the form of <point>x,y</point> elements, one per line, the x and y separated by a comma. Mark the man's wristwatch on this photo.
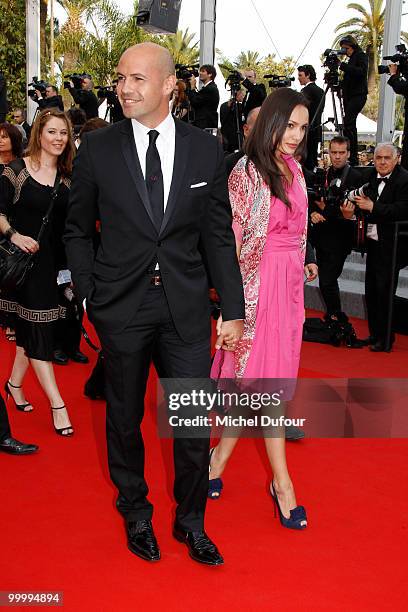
<point>9,232</point>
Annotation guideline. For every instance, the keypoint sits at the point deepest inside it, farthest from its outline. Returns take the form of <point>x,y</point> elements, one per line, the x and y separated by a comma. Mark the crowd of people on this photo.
<point>145,218</point>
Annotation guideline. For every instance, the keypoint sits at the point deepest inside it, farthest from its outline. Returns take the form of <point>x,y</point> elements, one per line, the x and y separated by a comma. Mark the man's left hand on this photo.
<point>311,271</point>
<point>364,203</point>
<point>229,333</point>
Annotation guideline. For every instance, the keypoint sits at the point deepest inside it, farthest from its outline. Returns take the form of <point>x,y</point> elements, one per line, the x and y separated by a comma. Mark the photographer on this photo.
<point>400,85</point>
<point>3,98</point>
<point>332,236</point>
<point>114,108</point>
<point>80,88</point>
<point>48,98</point>
<point>255,95</point>
<point>385,202</point>
<point>314,94</point>
<point>231,119</point>
<point>354,90</point>
<point>205,102</point>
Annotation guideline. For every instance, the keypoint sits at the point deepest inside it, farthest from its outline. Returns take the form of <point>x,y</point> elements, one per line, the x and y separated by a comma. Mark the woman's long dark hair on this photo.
<point>267,134</point>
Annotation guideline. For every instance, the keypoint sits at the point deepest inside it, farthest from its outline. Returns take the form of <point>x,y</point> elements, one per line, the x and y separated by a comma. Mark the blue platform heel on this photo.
<point>215,485</point>
<point>297,519</point>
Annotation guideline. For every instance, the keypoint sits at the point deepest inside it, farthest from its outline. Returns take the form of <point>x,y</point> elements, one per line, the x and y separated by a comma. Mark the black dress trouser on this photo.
<point>4,422</point>
<point>333,244</point>
<point>378,280</point>
<point>352,107</point>
<point>127,361</point>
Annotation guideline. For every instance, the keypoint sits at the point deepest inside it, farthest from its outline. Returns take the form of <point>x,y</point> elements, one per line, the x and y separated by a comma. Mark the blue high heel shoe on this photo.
<point>297,519</point>
<point>215,485</point>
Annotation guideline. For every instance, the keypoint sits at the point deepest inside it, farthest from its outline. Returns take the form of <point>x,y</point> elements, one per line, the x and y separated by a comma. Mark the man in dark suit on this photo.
<point>8,444</point>
<point>354,90</point>
<point>314,95</point>
<point>256,93</point>
<point>332,236</point>
<point>232,120</point>
<point>3,98</point>
<point>390,181</point>
<point>162,208</point>
<point>205,102</point>
<point>20,118</point>
<point>400,86</point>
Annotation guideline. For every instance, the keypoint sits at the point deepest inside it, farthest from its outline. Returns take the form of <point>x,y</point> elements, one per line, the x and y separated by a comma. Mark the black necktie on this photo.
<point>380,180</point>
<point>154,179</point>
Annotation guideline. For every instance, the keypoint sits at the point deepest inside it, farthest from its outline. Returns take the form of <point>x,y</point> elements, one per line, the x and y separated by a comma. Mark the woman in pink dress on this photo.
<point>269,205</point>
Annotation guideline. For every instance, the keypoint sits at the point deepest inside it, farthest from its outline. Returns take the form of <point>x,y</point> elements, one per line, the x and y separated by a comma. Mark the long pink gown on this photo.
<point>275,350</point>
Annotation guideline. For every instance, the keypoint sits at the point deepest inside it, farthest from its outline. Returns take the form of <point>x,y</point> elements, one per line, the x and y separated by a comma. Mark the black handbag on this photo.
<point>15,263</point>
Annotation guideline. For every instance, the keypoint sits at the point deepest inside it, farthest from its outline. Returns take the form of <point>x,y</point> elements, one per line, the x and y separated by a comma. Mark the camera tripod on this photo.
<point>334,89</point>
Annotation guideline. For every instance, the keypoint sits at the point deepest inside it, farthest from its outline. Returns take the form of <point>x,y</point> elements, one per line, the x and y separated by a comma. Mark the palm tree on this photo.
<point>368,30</point>
<point>181,47</point>
<point>248,59</point>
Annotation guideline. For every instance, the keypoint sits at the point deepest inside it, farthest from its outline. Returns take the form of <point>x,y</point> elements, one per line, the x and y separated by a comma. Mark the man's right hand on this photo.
<point>229,333</point>
<point>25,243</point>
<point>347,209</point>
<point>316,217</point>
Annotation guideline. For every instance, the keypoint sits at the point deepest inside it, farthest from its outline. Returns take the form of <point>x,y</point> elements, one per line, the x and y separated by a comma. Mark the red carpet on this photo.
<point>60,531</point>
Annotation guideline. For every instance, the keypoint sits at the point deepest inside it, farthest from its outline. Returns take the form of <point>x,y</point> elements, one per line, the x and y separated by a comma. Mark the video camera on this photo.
<point>107,92</point>
<point>278,80</point>
<point>36,85</point>
<point>400,58</point>
<point>234,80</point>
<point>332,62</point>
<point>77,80</point>
<point>185,72</point>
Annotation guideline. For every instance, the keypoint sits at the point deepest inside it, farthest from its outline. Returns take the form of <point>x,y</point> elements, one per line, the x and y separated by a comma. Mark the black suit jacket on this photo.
<point>391,206</point>
<point>314,94</point>
<point>354,82</point>
<point>205,105</point>
<point>87,101</point>
<point>255,96</point>
<point>53,102</point>
<point>108,184</point>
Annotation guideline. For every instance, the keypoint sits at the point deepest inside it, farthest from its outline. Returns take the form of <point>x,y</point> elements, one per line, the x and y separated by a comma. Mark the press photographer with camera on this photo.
<point>331,235</point>
<point>48,98</point>
<point>80,87</point>
<point>384,199</point>
<point>314,94</point>
<point>232,120</point>
<point>256,93</point>
<point>354,90</point>
<point>204,102</point>
<point>114,110</point>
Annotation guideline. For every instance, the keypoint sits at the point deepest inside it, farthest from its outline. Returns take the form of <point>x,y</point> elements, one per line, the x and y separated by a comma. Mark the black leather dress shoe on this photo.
<point>199,545</point>
<point>142,541</point>
<point>78,357</point>
<point>59,357</point>
<point>294,433</point>
<point>14,447</point>
<point>379,347</point>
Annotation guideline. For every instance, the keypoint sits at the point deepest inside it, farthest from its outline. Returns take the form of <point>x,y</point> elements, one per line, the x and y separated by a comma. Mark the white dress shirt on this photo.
<point>166,145</point>
<point>372,227</point>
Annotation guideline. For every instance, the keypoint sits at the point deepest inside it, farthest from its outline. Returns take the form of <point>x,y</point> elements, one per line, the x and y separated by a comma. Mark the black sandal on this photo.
<point>62,431</point>
<point>21,407</point>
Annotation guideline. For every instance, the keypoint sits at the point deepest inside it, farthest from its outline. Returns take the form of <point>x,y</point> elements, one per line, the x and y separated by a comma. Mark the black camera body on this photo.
<point>77,80</point>
<point>234,80</point>
<point>185,72</point>
<point>332,62</point>
<point>38,85</point>
<point>400,58</point>
<point>107,92</point>
<point>278,80</point>
<point>333,194</point>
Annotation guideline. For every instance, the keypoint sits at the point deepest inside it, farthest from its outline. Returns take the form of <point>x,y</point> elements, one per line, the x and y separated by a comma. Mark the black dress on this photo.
<point>35,305</point>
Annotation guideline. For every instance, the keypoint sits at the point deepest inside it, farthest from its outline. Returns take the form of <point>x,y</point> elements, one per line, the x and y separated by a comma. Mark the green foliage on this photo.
<point>13,49</point>
<point>251,60</point>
